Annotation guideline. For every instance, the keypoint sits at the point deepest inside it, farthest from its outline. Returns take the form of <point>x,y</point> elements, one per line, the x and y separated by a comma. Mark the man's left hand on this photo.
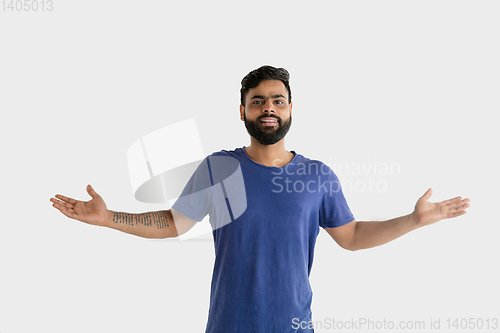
<point>426,212</point>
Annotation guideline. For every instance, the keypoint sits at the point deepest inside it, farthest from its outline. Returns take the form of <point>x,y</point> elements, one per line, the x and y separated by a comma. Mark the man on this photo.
<point>264,251</point>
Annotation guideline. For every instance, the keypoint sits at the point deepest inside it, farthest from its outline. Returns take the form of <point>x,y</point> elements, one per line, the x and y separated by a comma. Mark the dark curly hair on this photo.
<point>255,77</point>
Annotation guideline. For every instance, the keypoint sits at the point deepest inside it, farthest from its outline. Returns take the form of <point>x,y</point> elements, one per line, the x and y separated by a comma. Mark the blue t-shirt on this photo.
<point>265,221</point>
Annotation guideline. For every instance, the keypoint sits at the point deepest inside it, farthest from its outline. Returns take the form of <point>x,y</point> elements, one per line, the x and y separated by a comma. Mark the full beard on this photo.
<point>267,135</point>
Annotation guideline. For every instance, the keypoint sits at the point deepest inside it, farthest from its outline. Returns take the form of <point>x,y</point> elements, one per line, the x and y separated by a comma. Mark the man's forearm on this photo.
<point>158,224</point>
<point>371,234</point>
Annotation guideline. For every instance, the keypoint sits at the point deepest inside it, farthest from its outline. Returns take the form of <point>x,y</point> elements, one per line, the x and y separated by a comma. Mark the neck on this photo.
<point>271,155</point>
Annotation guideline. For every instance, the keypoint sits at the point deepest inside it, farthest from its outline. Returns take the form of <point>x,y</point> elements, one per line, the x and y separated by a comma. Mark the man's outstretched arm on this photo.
<point>358,235</point>
<point>158,224</point>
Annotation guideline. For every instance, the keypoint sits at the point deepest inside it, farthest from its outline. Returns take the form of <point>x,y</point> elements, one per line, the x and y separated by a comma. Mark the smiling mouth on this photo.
<point>269,121</point>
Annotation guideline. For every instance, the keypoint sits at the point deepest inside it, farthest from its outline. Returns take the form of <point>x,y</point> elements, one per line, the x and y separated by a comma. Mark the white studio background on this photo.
<point>411,85</point>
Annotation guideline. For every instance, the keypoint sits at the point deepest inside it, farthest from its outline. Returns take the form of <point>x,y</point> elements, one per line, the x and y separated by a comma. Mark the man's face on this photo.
<point>267,113</point>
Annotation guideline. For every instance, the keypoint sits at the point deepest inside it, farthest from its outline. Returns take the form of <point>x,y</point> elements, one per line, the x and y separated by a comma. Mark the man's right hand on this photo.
<point>92,212</point>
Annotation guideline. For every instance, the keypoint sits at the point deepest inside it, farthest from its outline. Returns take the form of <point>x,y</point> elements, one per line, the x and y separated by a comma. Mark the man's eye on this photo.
<point>257,102</point>
<point>279,102</point>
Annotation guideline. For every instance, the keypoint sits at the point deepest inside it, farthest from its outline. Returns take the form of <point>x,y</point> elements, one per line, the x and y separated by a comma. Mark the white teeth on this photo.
<point>268,121</point>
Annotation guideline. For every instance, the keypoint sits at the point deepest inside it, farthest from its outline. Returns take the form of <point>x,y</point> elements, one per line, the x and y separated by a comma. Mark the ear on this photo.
<point>242,112</point>
<point>291,104</point>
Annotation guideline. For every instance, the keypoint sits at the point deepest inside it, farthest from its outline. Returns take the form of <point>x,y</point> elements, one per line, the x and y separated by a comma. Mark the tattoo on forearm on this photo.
<point>159,219</point>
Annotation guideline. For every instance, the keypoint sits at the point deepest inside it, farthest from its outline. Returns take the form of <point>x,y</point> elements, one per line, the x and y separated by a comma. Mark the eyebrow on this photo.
<point>264,97</point>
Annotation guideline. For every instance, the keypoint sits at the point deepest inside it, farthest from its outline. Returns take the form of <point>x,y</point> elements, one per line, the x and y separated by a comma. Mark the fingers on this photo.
<point>452,201</point>
<point>457,207</point>
<point>68,213</point>
<point>455,214</point>
<point>61,204</point>
<point>455,202</point>
<point>65,208</point>
<point>65,199</point>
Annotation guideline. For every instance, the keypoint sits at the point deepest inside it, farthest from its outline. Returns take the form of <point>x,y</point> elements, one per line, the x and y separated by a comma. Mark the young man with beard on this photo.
<point>266,205</point>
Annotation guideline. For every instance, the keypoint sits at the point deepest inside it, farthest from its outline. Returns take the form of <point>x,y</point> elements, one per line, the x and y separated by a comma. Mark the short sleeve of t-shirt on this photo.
<point>334,211</point>
<point>195,200</point>
<point>216,188</point>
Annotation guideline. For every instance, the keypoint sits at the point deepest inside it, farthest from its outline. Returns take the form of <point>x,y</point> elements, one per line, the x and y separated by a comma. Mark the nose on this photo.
<point>268,107</point>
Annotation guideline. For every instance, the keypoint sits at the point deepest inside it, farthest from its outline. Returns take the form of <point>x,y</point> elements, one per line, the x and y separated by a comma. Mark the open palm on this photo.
<point>427,212</point>
<point>92,212</point>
